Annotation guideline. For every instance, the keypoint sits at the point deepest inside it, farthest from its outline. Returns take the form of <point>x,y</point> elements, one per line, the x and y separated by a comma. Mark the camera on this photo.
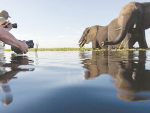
<point>13,25</point>
<point>30,44</point>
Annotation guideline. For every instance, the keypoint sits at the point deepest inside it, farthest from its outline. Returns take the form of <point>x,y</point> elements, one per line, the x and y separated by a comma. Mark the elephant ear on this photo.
<point>91,34</point>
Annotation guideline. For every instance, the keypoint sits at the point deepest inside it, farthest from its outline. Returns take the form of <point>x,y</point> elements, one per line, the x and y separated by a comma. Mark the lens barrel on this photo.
<point>30,43</point>
<point>14,25</point>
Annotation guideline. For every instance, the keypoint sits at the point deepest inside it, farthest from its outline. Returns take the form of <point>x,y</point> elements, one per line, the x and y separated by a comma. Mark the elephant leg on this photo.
<point>95,44</point>
<point>142,40</point>
<point>128,42</point>
<point>132,41</point>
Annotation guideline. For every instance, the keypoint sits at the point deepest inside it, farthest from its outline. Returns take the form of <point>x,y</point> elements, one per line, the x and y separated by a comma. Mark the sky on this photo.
<point>60,23</point>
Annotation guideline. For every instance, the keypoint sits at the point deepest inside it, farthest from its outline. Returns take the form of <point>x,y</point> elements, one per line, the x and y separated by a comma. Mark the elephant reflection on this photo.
<point>129,73</point>
<point>97,65</point>
<point>5,76</point>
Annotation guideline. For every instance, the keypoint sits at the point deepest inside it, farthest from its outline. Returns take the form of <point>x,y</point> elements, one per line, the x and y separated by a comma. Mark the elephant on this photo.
<point>130,76</point>
<point>95,34</point>
<point>98,34</point>
<point>133,16</point>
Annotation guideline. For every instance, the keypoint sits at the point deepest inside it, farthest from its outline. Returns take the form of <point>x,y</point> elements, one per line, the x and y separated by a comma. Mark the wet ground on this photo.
<point>75,82</point>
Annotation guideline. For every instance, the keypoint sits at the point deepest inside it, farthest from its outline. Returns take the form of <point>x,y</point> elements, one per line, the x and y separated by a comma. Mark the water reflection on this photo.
<point>6,76</point>
<point>127,68</point>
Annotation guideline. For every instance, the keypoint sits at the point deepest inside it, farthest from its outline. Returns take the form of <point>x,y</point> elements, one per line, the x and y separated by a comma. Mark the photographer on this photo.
<point>7,37</point>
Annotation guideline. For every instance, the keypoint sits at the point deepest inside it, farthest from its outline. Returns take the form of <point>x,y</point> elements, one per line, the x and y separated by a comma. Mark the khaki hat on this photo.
<point>2,20</point>
<point>4,14</point>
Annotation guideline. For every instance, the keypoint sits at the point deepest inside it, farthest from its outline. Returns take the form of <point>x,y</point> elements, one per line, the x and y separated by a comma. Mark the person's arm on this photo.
<point>9,39</point>
<point>9,27</point>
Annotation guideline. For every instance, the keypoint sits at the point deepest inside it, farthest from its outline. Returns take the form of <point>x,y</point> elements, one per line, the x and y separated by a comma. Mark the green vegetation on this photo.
<point>81,49</point>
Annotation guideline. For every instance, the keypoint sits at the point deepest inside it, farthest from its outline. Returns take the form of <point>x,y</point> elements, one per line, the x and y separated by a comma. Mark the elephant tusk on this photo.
<point>118,29</point>
<point>133,75</point>
<point>103,43</point>
<point>134,26</point>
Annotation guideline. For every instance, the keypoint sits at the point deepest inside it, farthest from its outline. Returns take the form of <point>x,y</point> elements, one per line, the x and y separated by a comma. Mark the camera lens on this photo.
<point>14,25</point>
<point>30,43</point>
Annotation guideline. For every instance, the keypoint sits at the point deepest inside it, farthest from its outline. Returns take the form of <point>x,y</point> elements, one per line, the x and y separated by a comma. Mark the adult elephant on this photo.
<point>135,16</point>
<point>98,34</point>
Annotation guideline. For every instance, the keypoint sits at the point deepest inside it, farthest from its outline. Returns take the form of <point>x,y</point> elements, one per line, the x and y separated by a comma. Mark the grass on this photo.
<point>81,49</point>
<point>57,49</point>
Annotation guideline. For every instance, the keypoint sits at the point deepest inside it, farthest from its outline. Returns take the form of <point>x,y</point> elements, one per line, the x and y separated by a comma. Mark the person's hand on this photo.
<point>23,47</point>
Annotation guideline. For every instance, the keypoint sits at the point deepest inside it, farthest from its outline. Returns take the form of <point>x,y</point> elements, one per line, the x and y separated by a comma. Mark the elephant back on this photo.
<point>132,9</point>
<point>113,31</point>
<point>146,16</point>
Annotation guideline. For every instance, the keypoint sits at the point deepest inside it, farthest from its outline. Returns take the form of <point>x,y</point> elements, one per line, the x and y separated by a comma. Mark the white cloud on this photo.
<point>68,28</point>
<point>67,37</point>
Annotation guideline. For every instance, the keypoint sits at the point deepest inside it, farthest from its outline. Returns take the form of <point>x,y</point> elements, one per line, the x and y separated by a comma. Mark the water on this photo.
<point>75,82</point>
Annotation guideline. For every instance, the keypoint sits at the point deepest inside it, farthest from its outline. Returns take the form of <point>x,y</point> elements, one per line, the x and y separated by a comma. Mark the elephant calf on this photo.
<point>95,34</point>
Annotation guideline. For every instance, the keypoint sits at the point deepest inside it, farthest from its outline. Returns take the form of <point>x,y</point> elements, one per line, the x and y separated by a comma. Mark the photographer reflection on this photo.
<point>126,67</point>
<point>6,76</point>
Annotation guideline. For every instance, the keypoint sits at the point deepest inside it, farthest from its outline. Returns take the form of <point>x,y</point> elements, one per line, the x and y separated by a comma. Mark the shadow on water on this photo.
<point>127,68</point>
<point>6,76</point>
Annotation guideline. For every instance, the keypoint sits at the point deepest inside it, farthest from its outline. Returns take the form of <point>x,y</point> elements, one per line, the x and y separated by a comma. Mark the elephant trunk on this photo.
<point>126,22</point>
<point>119,39</point>
<point>82,42</point>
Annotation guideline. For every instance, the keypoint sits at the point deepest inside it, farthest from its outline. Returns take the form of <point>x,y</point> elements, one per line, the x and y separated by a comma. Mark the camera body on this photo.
<point>13,25</point>
<point>30,44</point>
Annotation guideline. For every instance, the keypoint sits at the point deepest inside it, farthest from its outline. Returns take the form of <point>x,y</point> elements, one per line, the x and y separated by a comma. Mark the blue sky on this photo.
<point>60,23</point>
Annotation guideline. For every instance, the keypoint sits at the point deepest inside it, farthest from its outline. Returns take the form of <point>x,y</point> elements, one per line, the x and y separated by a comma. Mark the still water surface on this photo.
<point>75,82</point>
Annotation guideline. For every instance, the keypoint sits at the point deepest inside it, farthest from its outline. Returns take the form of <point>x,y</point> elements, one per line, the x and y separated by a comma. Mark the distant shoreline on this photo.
<point>81,49</point>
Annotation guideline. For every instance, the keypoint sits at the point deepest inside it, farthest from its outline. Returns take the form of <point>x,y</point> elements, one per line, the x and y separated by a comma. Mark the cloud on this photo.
<point>77,31</point>
<point>68,28</point>
<point>67,37</point>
